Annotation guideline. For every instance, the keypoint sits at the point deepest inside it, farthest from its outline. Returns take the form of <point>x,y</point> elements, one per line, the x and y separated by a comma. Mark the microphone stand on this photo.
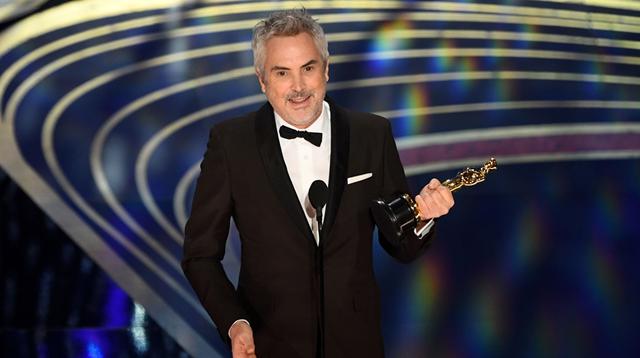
<point>318,195</point>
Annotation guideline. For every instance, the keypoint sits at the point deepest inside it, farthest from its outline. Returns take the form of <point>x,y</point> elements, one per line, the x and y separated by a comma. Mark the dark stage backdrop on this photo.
<point>105,108</point>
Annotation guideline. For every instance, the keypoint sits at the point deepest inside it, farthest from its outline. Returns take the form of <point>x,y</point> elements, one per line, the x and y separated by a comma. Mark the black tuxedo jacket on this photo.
<point>295,293</point>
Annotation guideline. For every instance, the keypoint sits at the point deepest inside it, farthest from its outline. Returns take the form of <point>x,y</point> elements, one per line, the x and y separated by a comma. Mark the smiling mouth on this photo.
<point>299,100</point>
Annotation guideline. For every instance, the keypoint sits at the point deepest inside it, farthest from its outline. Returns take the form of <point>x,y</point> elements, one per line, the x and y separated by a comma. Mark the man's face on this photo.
<point>295,78</point>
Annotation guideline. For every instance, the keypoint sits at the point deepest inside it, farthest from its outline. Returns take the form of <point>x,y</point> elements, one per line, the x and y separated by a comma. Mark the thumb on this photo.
<point>433,184</point>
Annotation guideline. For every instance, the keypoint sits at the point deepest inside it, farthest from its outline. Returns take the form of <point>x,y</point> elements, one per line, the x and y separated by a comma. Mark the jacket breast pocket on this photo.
<point>356,200</point>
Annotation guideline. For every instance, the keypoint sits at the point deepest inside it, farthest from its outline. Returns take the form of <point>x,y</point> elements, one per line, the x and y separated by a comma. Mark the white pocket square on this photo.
<point>357,178</point>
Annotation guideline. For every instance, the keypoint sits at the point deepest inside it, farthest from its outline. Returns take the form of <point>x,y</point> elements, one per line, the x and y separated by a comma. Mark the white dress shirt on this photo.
<point>307,163</point>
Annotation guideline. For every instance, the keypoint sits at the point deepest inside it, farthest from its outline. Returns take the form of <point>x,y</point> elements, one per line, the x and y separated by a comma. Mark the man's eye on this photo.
<point>281,73</point>
<point>308,68</point>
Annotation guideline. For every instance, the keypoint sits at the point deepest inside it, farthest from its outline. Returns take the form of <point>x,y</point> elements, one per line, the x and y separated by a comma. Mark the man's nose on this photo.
<point>297,83</point>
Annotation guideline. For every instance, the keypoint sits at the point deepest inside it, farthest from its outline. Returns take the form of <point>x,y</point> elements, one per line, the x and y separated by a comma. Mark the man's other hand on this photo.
<point>434,200</point>
<point>242,345</point>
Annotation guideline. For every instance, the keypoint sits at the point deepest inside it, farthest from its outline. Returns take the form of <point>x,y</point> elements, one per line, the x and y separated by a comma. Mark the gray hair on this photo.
<point>286,23</point>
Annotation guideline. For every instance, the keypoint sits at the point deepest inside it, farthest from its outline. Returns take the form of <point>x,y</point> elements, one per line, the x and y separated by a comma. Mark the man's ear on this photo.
<point>260,80</point>
<point>326,71</point>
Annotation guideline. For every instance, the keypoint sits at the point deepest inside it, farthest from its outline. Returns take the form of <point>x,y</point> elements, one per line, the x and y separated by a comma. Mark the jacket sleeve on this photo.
<point>410,246</point>
<point>205,239</point>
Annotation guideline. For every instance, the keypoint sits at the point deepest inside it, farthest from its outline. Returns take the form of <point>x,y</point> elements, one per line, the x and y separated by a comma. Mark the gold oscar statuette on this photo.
<point>399,214</point>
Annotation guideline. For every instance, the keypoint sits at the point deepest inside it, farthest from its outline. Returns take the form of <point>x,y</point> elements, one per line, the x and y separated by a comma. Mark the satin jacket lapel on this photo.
<point>339,163</point>
<point>276,169</point>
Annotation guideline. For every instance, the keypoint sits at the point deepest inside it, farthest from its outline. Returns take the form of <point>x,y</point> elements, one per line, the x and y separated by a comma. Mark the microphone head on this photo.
<point>318,194</point>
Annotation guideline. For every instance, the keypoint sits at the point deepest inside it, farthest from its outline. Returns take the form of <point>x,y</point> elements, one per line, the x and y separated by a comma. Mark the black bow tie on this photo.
<point>311,137</point>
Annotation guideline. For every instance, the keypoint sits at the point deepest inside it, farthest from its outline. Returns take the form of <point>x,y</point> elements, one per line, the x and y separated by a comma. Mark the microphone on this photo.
<point>318,195</point>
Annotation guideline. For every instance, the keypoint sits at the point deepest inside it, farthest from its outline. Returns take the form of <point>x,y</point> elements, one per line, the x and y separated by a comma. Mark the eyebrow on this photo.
<point>279,68</point>
<point>312,62</point>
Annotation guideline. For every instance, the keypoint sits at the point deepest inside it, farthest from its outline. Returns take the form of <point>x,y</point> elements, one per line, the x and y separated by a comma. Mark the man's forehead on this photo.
<point>291,51</point>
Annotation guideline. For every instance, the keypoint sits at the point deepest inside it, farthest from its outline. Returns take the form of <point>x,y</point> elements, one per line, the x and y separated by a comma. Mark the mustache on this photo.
<point>299,94</point>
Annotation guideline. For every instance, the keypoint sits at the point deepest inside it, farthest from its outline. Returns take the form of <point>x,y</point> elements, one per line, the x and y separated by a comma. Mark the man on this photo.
<point>302,291</point>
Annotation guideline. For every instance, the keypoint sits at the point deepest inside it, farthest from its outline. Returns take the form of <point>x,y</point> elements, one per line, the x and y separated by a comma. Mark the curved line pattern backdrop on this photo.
<point>104,110</point>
